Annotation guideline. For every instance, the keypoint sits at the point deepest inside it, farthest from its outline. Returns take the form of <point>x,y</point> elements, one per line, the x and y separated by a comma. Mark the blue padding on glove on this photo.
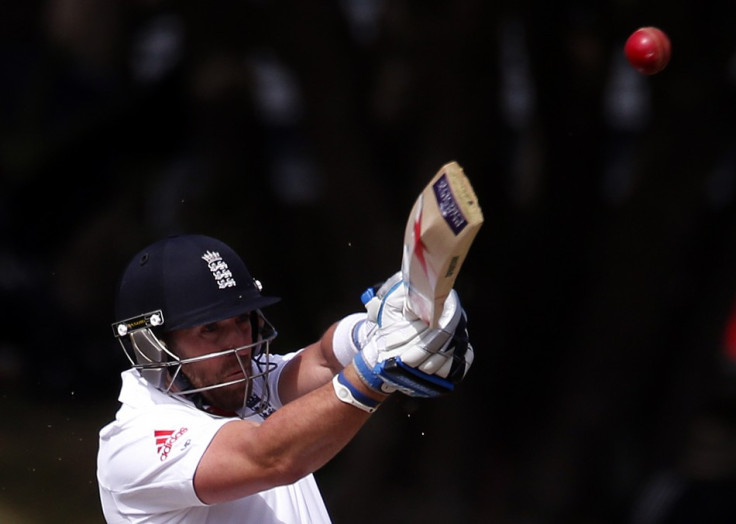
<point>411,381</point>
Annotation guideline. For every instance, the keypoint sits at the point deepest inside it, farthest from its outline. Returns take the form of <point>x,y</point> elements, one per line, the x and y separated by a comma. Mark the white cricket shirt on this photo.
<point>148,455</point>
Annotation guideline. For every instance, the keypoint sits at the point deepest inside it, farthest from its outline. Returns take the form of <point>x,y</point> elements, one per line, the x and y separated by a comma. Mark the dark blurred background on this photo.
<point>599,290</point>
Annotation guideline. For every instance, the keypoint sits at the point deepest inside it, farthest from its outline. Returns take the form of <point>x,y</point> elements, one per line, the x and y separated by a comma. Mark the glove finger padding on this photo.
<point>457,356</point>
<point>462,352</point>
<point>432,349</point>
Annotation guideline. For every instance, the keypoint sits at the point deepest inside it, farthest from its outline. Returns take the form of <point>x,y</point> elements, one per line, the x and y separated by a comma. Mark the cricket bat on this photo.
<point>441,228</point>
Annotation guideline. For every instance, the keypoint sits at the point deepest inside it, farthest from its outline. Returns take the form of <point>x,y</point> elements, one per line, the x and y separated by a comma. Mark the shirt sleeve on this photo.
<point>151,469</point>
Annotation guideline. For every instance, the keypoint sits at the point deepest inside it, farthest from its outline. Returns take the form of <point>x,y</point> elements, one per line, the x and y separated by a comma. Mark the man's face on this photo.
<point>226,334</point>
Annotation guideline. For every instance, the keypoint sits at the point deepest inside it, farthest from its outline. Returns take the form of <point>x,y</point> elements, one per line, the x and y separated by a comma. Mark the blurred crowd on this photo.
<point>599,291</point>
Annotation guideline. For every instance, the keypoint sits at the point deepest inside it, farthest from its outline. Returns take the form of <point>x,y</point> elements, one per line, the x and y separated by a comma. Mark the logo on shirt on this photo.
<point>260,406</point>
<point>165,439</point>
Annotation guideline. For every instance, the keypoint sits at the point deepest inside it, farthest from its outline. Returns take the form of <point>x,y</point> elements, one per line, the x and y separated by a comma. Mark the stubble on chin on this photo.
<point>229,398</point>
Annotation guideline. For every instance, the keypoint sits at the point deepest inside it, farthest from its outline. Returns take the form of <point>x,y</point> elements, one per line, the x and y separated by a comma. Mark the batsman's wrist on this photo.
<point>353,375</point>
<point>370,378</point>
<point>347,392</point>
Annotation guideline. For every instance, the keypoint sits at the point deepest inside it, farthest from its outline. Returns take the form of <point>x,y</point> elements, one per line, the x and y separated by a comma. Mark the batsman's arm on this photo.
<point>246,457</point>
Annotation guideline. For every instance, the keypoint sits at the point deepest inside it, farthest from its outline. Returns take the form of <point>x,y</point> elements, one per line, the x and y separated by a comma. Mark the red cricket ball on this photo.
<point>648,50</point>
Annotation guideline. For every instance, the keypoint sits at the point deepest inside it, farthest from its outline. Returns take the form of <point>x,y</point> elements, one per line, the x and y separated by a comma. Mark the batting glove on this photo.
<point>402,353</point>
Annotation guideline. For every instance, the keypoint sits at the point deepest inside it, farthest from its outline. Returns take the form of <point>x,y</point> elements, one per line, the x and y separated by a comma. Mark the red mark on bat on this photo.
<point>418,244</point>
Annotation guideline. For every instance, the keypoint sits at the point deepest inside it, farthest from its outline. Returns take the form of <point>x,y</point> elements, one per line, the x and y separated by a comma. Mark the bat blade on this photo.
<point>441,228</point>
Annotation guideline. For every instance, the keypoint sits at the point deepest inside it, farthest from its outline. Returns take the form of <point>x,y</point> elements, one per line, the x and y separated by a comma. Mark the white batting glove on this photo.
<point>403,353</point>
